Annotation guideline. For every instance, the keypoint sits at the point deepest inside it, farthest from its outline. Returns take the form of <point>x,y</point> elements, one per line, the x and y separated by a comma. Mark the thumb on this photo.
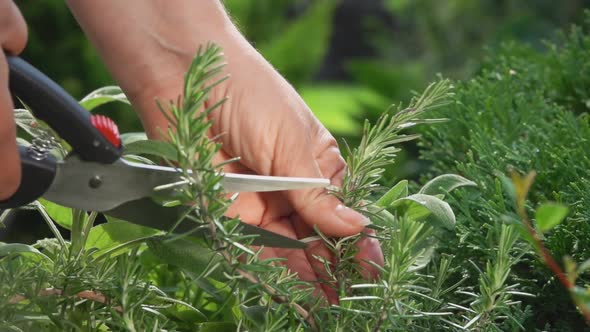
<point>316,206</point>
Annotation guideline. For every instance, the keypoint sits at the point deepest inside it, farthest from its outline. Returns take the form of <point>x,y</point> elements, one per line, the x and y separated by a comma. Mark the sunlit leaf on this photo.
<point>102,96</point>
<point>419,206</point>
<point>152,148</point>
<point>128,138</point>
<point>26,121</point>
<point>550,215</point>
<point>444,184</point>
<point>391,80</point>
<point>60,214</point>
<point>339,107</point>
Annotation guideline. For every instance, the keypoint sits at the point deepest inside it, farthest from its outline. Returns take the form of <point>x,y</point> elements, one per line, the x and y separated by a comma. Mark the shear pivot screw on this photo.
<point>95,182</point>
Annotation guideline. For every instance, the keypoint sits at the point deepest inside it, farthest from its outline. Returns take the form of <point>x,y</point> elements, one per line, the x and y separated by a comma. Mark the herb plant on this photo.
<point>123,276</point>
<point>526,110</point>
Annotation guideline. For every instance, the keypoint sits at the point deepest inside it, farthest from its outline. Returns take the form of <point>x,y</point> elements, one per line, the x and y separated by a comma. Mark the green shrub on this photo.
<point>525,110</point>
<point>122,276</point>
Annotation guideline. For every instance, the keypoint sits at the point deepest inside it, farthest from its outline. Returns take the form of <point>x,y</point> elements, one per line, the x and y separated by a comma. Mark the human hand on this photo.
<point>264,122</point>
<point>267,124</point>
<point>13,37</point>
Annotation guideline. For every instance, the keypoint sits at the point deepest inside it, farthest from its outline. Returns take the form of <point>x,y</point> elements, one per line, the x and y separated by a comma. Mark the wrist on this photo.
<point>159,64</point>
<point>148,46</point>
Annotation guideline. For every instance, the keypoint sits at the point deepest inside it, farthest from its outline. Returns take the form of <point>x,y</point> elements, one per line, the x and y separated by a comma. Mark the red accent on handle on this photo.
<point>107,127</point>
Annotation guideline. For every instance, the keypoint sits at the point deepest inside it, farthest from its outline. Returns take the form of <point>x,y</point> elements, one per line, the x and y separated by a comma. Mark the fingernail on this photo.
<point>351,216</point>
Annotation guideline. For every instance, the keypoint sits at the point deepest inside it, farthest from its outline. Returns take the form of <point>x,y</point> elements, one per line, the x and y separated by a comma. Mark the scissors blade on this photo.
<point>233,182</point>
<point>99,187</point>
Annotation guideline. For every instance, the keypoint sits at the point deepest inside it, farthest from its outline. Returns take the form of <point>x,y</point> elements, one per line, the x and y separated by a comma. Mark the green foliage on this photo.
<point>300,49</point>
<point>340,106</point>
<point>378,146</point>
<point>520,113</point>
<point>119,275</point>
<point>549,215</point>
<point>439,274</point>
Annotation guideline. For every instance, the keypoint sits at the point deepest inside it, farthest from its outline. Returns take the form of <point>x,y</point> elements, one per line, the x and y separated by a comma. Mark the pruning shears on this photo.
<point>95,177</point>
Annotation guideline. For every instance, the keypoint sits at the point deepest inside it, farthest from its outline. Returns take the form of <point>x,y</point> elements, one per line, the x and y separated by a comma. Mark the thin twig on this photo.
<point>274,294</point>
<point>548,258</point>
<point>86,294</point>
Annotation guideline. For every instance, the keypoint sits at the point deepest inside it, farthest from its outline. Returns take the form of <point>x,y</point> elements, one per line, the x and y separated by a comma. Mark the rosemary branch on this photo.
<point>202,190</point>
<point>379,143</point>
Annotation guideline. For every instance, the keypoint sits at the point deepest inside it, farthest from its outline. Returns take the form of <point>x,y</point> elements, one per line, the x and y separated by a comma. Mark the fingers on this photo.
<point>10,169</point>
<point>13,37</point>
<point>369,251</point>
<point>320,258</point>
<point>13,29</point>
<point>296,259</point>
<point>320,157</point>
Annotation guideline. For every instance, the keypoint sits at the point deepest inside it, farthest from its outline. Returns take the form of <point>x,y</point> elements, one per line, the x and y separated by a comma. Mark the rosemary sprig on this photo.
<point>378,146</point>
<point>365,166</point>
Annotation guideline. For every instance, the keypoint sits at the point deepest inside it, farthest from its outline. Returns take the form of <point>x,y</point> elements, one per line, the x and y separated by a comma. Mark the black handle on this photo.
<point>38,172</point>
<point>52,104</point>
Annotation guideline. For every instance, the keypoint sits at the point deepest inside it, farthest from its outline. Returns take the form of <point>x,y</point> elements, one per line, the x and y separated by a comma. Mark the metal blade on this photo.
<point>100,187</point>
<point>233,182</point>
<point>147,213</point>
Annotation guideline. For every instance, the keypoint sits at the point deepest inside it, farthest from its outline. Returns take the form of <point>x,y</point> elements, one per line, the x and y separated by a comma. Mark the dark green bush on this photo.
<point>525,110</point>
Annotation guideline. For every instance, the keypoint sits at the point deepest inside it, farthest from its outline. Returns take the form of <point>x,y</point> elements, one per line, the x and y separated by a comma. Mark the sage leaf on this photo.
<point>25,120</point>
<point>152,148</point>
<point>398,191</point>
<point>550,215</point>
<point>60,214</point>
<point>128,138</point>
<point>256,313</point>
<point>420,206</point>
<point>185,254</point>
<point>102,96</point>
<point>7,249</point>
<point>444,184</point>
<point>116,233</point>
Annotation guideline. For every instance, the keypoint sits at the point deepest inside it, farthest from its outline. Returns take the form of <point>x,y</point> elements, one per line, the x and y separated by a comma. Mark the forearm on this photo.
<point>148,45</point>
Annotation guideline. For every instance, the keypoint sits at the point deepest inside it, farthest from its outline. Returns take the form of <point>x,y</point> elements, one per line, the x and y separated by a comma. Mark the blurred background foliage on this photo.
<point>349,59</point>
